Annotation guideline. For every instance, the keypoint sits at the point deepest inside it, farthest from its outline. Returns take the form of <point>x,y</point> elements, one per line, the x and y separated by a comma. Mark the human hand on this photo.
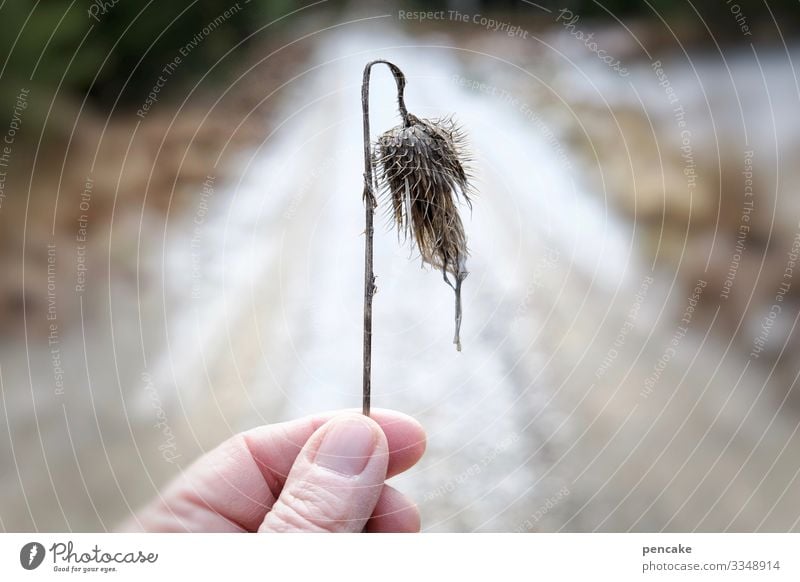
<point>322,473</point>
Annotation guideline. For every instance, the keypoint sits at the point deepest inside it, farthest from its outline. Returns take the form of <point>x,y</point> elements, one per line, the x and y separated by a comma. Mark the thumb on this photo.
<point>336,480</point>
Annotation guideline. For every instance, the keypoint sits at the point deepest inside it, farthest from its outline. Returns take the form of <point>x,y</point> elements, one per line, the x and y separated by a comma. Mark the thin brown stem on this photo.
<point>370,202</point>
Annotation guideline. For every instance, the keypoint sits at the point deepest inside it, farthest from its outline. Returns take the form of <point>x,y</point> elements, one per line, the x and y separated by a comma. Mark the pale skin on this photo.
<point>324,473</point>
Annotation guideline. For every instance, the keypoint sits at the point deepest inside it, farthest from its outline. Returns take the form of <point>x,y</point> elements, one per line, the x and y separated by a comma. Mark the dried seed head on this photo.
<point>422,170</point>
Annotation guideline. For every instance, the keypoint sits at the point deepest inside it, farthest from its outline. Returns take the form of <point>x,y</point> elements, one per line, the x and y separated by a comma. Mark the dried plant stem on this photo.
<point>370,203</point>
<point>457,289</point>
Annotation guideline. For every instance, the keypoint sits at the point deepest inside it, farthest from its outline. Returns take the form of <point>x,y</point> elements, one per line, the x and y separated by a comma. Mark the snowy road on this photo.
<point>528,428</point>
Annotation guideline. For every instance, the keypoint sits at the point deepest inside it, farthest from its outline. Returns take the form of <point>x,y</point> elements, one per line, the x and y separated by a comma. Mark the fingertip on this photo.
<point>406,439</point>
<point>348,442</point>
<point>394,513</point>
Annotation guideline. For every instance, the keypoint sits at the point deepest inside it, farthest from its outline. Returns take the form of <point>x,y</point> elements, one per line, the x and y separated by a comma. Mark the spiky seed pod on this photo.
<point>422,169</point>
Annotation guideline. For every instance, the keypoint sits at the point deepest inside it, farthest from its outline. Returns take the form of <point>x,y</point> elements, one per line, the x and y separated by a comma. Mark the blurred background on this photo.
<point>182,253</point>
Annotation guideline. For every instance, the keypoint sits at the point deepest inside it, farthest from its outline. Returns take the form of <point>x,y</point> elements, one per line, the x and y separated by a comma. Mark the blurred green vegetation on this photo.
<point>118,49</point>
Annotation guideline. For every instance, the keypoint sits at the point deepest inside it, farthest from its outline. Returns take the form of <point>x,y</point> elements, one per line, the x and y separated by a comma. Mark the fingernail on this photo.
<point>346,447</point>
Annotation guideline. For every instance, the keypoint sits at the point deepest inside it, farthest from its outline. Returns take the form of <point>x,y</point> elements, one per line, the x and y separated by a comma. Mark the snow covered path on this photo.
<point>536,425</point>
